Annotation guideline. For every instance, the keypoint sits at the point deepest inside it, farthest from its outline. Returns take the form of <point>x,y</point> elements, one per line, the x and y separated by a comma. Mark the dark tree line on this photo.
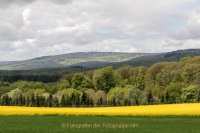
<point>76,100</point>
<point>41,101</point>
<point>40,78</point>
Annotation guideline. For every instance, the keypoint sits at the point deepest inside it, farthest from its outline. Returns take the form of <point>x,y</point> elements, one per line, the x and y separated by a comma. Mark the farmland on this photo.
<point>150,118</point>
<point>52,124</point>
<point>162,98</point>
<point>145,110</point>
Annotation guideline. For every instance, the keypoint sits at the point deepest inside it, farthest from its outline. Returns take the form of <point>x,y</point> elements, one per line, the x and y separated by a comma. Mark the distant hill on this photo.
<point>83,62</point>
<point>162,57</point>
<point>6,62</point>
<point>84,59</point>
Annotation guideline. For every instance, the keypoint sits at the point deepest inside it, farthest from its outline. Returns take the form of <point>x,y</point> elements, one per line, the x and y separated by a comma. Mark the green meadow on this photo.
<point>84,124</point>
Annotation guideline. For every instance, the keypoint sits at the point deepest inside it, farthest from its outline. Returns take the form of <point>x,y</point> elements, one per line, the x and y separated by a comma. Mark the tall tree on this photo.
<point>174,90</point>
<point>91,102</point>
<point>63,101</point>
<point>69,102</point>
<point>140,80</point>
<point>107,78</point>
<point>122,76</point>
<point>37,99</point>
<point>23,101</point>
<point>42,101</point>
<point>83,98</point>
<point>27,101</point>
<point>153,71</point>
<point>101,101</point>
<point>55,102</point>
<point>136,96</point>
<point>77,80</point>
<point>32,101</point>
<point>97,80</point>
<point>167,96</point>
<point>64,84</point>
<point>162,98</point>
<point>20,99</point>
<point>77,95</point>
<point>50,100</point>
<point>150,98</point>
<point>133,72</point>
<point>190,94</point>
<point>4,100</point>
<point>73,99</point>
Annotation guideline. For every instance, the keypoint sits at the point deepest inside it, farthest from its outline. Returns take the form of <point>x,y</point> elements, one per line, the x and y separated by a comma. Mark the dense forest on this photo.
<point>49,71</point>
<point>161,83</point>
<point>10,78</point>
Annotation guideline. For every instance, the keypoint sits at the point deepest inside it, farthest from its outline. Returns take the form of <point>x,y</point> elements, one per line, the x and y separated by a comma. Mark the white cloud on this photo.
<point>58,35</point>
<point>26,14</point>
<point>6,3</point>
<point>117,50</point>
<point>42,27</point>
<point>191,30</point>
<point>17,45</point>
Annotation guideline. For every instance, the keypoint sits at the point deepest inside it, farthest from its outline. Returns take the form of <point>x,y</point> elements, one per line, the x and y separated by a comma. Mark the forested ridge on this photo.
<point>163,82</point>
<point>145,60</point>
<point>85,59</point>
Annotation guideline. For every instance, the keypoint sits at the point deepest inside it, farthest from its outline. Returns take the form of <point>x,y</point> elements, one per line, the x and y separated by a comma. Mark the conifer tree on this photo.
<point>162,98</point>
<point>27,101</point>
<point>167,97</point>
<point>23,101</point>
<point>83,98</point>
<point>73,98</point>
<point>42,101</point>
<point>69,103</point>
<point>149,98</point>
<point>101,101</point>
<point>55,102</point>
<point>87,101</point>
<point>91,102</point>
<point>113,102</point>
<point>118,102</point>
<point>32,101</point>
<point>4,101</point>
<point>98,102</point>
<point>63,102</point>
<point>125,102</point>
<point>198,96</point>
<point>109,103</point>
<point>37,100</point>
<point>16,101</point>
<point>10,101</point>
<point>20,99</point>
<point>78,99</point>
<point>50,99</point>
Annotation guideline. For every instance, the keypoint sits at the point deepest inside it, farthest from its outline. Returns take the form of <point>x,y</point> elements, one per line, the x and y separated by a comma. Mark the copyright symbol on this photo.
<point>63,125</point>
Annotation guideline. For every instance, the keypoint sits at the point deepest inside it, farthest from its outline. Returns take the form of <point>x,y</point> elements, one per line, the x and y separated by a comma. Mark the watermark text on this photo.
<point>103,125</point>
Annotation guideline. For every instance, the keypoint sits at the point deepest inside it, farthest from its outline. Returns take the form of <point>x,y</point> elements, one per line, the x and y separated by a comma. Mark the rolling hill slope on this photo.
<point>89,59</point>
<point>79,62</point>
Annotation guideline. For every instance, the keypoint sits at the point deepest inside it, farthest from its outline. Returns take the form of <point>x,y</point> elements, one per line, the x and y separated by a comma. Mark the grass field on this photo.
<point>58,124</point>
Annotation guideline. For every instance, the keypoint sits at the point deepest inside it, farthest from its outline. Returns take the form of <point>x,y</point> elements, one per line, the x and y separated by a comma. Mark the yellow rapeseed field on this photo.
<point>192,109</point>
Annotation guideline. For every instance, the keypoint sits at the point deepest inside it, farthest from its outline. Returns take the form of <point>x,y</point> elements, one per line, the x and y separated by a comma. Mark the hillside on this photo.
<point>162,57</point>
<point>88,59</point>
<point>147,61</point>
<point>6,62</point>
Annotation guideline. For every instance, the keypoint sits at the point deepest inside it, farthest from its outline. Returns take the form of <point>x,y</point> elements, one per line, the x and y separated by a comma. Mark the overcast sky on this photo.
<point>33,28</point>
